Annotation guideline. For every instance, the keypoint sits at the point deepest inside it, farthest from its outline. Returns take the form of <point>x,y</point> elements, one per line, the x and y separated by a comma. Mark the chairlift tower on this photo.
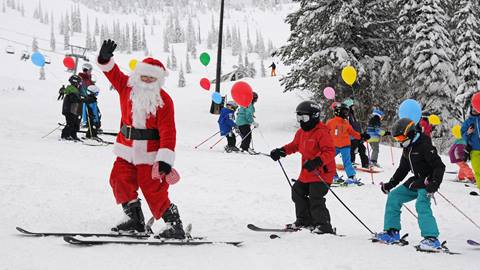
<point>78,53</point>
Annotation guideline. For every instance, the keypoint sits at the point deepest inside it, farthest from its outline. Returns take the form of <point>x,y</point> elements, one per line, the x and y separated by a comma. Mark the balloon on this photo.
<point>217,98</point>
<point>133,64</point>
<point>205,84</point>
<point>411,109</point>
<point>476,102</point>
<point>329,92</point>
<point>68,62</point>
<point>38,59</point>
<point>205,58</point>
<point>434,120</point>
<point>242,93</point>
<point>349,75</point>
<point>456,131</point>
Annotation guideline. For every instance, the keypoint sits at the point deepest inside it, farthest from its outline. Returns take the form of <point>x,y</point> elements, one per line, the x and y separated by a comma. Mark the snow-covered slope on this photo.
<point>49,185</point>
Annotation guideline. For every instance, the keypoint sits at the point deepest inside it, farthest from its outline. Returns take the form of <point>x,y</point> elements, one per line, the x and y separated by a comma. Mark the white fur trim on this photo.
<point>106,67</point>
<point>137,154</point>
<point>166,155</point>
<point>144,69</point>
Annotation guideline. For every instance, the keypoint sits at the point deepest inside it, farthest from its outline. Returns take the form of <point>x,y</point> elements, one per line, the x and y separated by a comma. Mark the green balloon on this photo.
<point>205,58</point>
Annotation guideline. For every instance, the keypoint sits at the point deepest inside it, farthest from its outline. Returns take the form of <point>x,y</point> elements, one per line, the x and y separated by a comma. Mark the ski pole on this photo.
<point>51,131</point>
<point>461,212</point>
<point>244,137</point>
<point>207,139</point>
<point>369,160</point>
<point>411,212</point>
<point>221,138</point>
<point>391,153</point>
<point>285,173</point>
<point>334,194</point>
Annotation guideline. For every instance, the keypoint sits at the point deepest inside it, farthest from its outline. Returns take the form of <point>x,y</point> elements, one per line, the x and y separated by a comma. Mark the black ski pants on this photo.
<point>231,139</point>
<point>246,134</point>
<point>357,144</point>
<point>310,208</point>
<point>71,127</point>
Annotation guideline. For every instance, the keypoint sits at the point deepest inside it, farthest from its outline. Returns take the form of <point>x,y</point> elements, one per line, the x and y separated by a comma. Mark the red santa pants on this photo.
<point>125,180</point>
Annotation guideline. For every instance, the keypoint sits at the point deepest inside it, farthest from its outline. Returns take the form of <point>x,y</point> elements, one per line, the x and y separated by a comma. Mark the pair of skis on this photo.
<point>90,239</point>
<point>285,230</point>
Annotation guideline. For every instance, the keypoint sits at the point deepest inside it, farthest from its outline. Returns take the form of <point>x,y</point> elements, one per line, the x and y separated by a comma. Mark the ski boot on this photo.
<point>352,180</point>
<point>430,244</point>
<point>296,226</point>
<point>375,164</point>
<point>135,222</point>
<point>338,180</point>
<point>235,149</point>
<point>323,229</point>
<point>228,149</point>
<point>387,237</point>
<point>174,229</point>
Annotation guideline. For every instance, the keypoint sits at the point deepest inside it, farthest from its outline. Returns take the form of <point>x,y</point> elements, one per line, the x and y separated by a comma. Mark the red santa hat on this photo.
<point>151,67</point>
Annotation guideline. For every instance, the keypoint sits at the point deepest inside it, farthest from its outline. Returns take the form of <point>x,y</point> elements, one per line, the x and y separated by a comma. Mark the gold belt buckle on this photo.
<point>129,132</point>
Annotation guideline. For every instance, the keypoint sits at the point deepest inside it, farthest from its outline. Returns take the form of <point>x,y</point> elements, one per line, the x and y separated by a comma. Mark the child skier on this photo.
<point>356,145</point>
<point>471,134</point>
<point>92,112</point>
<point>226,122</point>
<point>86,76</point>
<point>72,109</point>
<point>375,131</point>
<point>457,156</point>
<point>274,69</point>
<point>245,118</point>
<point>341,130</point>
<point>419,157</point>
<point>314,142</point>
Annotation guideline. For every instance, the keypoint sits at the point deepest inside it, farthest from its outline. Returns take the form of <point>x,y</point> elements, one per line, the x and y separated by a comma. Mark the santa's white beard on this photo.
<point>145,99</point>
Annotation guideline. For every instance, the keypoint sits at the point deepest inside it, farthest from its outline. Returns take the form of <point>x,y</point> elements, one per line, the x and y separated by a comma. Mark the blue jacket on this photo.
<point>226,121</point>
<point>245,115</point>
<point>473,139</point>
<point>374,129</point>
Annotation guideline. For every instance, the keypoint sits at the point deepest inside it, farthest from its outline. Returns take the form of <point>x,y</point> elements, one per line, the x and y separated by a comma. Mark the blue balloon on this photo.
<point>38,59</point>
<point>217,98</point>
<point>411,109</point>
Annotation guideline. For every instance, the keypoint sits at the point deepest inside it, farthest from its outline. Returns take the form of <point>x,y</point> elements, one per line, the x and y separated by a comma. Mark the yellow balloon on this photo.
<point>349,75</point>
<point>434,120</point>
<point>133,64</point>
<point>456,131</point>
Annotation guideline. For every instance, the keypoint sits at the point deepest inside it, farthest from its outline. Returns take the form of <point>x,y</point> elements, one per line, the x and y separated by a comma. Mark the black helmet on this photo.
<point>311,109</point>
<point>308,107</point>
<point>404,129</point>
<point>255,97</point>
<point>341,109</point>
<point>75,79</point>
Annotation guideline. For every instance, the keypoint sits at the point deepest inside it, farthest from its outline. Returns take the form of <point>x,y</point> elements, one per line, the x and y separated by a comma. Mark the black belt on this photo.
<point>132,133</point>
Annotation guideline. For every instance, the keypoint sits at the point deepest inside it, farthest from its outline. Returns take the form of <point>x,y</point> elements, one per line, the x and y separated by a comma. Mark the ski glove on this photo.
<point>312,164</point>
<point>364,137</point>
<point>386,187</point>
<point>106,51</point>
<point>164,168</point>
<point>277,153</point>
<point>431,186</point>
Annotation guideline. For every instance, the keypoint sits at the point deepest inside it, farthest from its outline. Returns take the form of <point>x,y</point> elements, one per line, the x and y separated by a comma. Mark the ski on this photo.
<point>401,242</point>
<point>84,234</point>
<point>473,193</point>
<point>473,243</point>
<point>275,236</point>
<point>258,229</point>
<point>81,242</point>
<point>368,170</point>
<point>442,249</point>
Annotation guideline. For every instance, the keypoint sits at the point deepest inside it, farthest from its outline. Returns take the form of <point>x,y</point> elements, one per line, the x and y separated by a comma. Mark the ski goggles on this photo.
<point>401,138</point>
<point>303,117</point>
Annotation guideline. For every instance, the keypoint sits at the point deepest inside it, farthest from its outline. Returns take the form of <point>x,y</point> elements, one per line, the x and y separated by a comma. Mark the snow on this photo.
<point>48,185</point>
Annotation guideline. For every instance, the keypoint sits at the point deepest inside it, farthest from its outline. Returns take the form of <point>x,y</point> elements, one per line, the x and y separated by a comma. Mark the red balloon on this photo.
<point>68,62</point>
<point>242,93</point>
<point>205,84</point>
<point>476,102</point>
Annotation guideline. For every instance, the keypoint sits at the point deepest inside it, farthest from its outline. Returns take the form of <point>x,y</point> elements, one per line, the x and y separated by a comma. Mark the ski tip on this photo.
<point>274,236</point>
<point>23,230</point>
<point>251,226</point>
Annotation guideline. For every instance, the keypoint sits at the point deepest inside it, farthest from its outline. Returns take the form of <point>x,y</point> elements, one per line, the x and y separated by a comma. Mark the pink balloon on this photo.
<point>205,84</point>
<point>329,93</point>
<point>242,93</point>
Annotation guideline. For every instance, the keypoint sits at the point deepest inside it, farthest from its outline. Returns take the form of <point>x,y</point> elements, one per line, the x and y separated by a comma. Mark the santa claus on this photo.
<point>145,145</point>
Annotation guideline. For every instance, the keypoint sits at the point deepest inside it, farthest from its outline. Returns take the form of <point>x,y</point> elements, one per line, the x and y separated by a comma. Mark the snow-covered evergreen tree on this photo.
<point>228,38</point>
<point>52,38</point>
<point>66,39</point>
<point>188,66</point>
<point>210,41</point>
<point>262,69</point>
<point>191,36</point>
<point>166,44</point>
<point>240,60</point>
<point>174,59</point>
<point>88,38</point>
<point>260,45</point>
<point>34,45</point>
<point>199,35</point>
<point>94,44</point>
<point>249,42</point>
<point>134,37</point>
<point>61,25</point>
<point>97,28</point>
<point>181,78</point>
<point>467,37</point>
<point>179,34</point>
<point>247,63</point>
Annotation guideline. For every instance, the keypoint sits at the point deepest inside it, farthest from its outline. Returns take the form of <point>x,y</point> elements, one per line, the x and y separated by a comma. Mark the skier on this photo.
<point>245,118</point>
<point>419,157</point>
<point>146,140</point>
<point>458,156</point>
<point>375,131</point>
<point>314,142</point>
<point>72,109</point>
<point>86,76</point>
<point>356,144</point>
<point>61,92</point>
<point>274,69</point>
<point>227,125</point>
<point>471,134</point>
<point>93,113</point>
<point>341,130</point>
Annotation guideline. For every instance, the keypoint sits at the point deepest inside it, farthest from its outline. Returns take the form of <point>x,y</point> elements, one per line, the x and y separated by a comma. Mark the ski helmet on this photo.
<point>308,115</point>
<point>308,107</point>
<point>348,102</point>
<point>378,112</point>
<point>404,130</point>
<point>255,97</point>
<point>75,80</point>
<point>232,104</point>
<point>341,109</point>
<point>87,66</point>
<point>93,89</point>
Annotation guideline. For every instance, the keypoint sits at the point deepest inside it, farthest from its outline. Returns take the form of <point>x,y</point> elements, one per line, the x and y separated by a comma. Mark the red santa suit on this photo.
<point>133,166</point>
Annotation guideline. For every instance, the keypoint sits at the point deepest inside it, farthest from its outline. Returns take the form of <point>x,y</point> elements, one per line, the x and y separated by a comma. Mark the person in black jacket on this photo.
<point>421,158</point>
<point>72,109</point>
<point>356,144</point>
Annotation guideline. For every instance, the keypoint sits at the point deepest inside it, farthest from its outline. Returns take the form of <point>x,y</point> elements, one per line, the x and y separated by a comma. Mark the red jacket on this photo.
<point>314,143</point>
<point>426,127</point>
<point>341,130</point>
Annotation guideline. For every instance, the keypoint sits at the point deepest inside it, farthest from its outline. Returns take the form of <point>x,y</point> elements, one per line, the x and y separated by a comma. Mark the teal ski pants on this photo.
<point>400,195</point>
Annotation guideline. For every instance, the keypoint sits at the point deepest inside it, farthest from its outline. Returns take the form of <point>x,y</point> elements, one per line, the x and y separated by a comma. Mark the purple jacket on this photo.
<point>457,152</point>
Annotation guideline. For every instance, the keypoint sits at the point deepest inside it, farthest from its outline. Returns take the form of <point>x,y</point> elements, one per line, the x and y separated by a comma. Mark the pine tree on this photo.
<point>166,44</point>
<point>228,38</point>
<point>467,36</point>
<point>144,39</point>
<point>188,66</point>
<point>262,69</point>
<point>61,25</point>
<point>174,60</point>
<point>209,41</point>
<point>246,60</point>
<point>67,30</point>
<point>181,78</point>
<point>66,40</point>
<point>240,60</point>
<point>249,41</point>
<point>42,73</point>
<point>179,34</point>
<point>88,44</point>
<point>260,45</point>
<point>34,45</point>
<point>128,46</point>
<point>199,34</point>
<point>94,44</point>
<point>194,53</point>
<point>134,38</point>
<point>97,28</point>
<point>191,36</point>
<point>46,20</point>
<point>52,38</point>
